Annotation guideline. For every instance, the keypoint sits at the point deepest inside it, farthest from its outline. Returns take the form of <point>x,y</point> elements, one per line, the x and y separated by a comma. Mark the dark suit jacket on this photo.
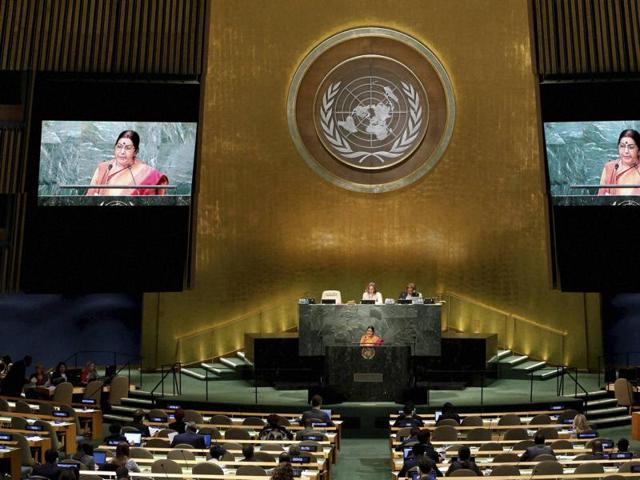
<point>533,451</point>
<point>142,428</point>
<point>414,462</point>
<point>463,464</point>
<point>408,421</point>
<point>178,426</point>
<point>403,295</point>
<point>49,470</point>
<point>15,379</point>
<point>189,438</point>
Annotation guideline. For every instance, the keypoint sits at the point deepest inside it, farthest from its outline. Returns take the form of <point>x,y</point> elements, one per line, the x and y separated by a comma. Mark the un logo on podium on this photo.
<point>371,109</point>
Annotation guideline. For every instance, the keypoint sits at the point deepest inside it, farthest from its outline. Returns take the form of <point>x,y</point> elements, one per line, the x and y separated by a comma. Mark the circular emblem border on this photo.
<point>356,33</point>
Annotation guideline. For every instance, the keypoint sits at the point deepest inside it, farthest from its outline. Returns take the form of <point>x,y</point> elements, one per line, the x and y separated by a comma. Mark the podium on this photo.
<point>367,373</point>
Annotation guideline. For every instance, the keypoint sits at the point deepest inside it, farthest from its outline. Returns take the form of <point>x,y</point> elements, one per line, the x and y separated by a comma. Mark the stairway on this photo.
<point>521,367</point>
<point>602,410</point>
<point>123,413</point>
<point>232,367</point>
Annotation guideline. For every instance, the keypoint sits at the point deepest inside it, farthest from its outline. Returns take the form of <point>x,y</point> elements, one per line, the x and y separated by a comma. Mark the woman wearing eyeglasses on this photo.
<point>625,169</point>
<point>126,170</point>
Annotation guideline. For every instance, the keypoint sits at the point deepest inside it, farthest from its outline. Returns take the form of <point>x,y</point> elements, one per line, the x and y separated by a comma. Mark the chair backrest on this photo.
<point>4,405</point>
<point>22,407</point>
<point>164,433</point>
<point>47,427</point>
<point>207,468</point>
<point>254,421</point>
<point>165,466</point>
<point>509,420</point>
<point>472,421</point>
<point>251,470</point>
<point>523,445</point>
<point>119,389</point>
<point>23,445</point>
<point>129,429</point>
<point>139,452</point>
<point>490,447</point>
<point>231,446</point>
<point>507,457</point>
<point>156,443</point>
<point>561,444</point>
<point>213,431</point>
<point>221,420</point>
<point>186,446</point>
<point>283,421</point>
<point>63,393</point>
<point>448,421</point>
<point>463,472</point>
<point>193,416</point>
<point>404,432</point>
<point>623,391</point>
<point>516,434</point>
<point>157,413</point>
<point>479,433</point>
<point>569,413</point>
<point>549,433</point>
<point>626,467</point>
<point>263,456</point>
<point>332,295</point>
<point>591,467</point>
<point>237,434</point>
<point>615,477</point>
<point>505,471</point>
<point>544,457</point>
<point>228,457</point>
<point>583,457</point>
<point>94,391</point>
<point>19,423</point>
<point>180,454</point>
<point>548,467</point>
<point>540,419</point>
<point>272,447</point>
<point>445,433</point>
<point>45,409</point>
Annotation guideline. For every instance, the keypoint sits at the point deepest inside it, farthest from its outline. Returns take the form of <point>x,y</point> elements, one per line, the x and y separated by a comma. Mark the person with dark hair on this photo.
<point>463,461</point>
<point>50,468</point>
<point>623,445</point>
<point>410,292</point>
<point>597,452</point>
<point>59,374</point>
<point>125,169</point>
<point>115,435</point>
<point>410,440</point>
<point>414,459</point>
<point>178,424</point>
<point>283,471</point>
<point>408,417</point>
<point>538,448</point>
<point>122,473</point>
<point>315,414</point>
<point>624,170</point>
<point>274,431</point>
<point>370,338</point>
<point>448,411</point>
<point>190,437</point>
<point>138,423</point>
<point>216,452</point>
<point>248,453</point>
<point>15,379</point>
<point>84,455</point>
<point>121,458</point>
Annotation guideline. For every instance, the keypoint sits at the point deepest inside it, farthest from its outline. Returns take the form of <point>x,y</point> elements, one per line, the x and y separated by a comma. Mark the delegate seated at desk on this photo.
<point>372,293</point>
<point>409,292</point>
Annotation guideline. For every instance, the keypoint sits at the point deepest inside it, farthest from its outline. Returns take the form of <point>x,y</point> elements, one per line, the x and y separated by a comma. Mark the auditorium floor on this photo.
<point>500,392</point>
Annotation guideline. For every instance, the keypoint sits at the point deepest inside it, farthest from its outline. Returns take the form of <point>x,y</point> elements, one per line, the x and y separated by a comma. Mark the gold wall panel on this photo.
<point>269,229</point>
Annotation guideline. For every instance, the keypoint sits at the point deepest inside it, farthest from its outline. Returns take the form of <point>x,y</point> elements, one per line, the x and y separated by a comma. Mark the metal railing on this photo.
<point>175,370</point>
<point>109,357</point>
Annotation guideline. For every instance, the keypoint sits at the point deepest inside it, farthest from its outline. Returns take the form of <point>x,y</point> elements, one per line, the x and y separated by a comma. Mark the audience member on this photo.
<point>50,468</point>
<point>580,424</point>
<point>623,445</point>
<point>216,453</point>
<point>138,423</point>
<point>115,435</point>
<point>178,424</point>
<point>121,458</point>
<point>274,431</point>
<point>122,473</point>
<point>408,417</point>
<point>190,437</point>
<point>463,461</point>
<point>424,438</point>
<point>411,439</point>
<point>448,411</point>
<point>59,375</point>
<point>84,455</point>
<point>15,379</point>
<point>597,452</point>
<point>538,448</point>
<point>416,456</point>
<point>5,365</point>
<point>427,471</point>
<point>248,453</point>
<point>315,414</point>
<point>283,471</point>
<point>294,450</point>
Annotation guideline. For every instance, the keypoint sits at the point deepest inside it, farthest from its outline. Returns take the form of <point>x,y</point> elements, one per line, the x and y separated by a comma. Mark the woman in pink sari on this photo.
<point>625,170</point>
<point>126,170</point>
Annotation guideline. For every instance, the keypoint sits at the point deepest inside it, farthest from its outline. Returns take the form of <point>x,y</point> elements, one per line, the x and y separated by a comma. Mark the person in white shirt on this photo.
<point>372,293</point>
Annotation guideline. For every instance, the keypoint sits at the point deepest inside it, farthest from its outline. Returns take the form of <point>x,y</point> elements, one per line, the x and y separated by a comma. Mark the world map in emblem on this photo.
<point>372,113</point>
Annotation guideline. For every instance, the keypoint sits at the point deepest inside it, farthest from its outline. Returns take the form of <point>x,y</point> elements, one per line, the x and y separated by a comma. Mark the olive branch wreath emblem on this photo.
<point>402,143</point>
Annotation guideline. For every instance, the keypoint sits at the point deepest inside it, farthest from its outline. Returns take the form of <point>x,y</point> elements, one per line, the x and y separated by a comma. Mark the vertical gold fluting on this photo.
<point>269,229</point>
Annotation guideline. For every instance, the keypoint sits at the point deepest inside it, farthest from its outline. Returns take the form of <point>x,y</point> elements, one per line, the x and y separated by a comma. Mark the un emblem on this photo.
<point>371,109</point>
<point>372,112</point>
